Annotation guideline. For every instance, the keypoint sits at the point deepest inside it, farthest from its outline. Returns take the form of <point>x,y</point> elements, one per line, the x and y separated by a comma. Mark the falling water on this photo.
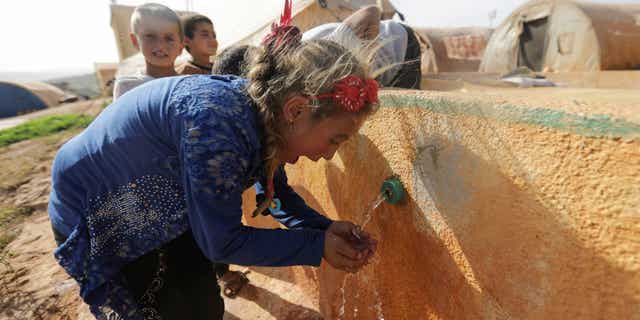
<point>372,206</point>
<point>368,214</point>
<point>344,298</point>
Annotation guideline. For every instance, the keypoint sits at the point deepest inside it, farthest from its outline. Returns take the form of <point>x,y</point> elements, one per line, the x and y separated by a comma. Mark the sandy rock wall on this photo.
<point>511,212</point>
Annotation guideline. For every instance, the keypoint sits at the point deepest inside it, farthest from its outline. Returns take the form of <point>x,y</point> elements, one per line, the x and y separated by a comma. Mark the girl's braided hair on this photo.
<point>284,67</point>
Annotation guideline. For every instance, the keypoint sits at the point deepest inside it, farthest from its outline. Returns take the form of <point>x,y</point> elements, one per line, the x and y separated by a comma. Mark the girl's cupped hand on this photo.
<point>347,246</point>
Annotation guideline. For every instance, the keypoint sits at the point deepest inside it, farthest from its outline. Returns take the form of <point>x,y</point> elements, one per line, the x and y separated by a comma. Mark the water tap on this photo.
<point>392,190</point>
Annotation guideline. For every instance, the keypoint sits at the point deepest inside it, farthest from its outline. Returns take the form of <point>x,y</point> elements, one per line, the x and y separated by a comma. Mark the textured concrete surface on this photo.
<point>595,79</point>
<point>514,210</point>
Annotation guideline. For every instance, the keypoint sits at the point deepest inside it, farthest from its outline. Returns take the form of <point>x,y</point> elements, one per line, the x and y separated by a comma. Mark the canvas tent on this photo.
<point>21,98</point>
<point>566,36</point>
<point>452,49</point>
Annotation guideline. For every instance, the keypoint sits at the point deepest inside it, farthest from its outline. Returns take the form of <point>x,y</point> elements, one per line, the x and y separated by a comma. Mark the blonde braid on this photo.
<point>261,71</point>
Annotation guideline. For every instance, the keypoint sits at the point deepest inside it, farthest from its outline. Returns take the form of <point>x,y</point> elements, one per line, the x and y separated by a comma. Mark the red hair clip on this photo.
<point>352,93</point>
<point>283,32</point>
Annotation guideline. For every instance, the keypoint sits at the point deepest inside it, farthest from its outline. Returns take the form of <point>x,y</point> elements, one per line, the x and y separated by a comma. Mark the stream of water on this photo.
<point>367,216</point>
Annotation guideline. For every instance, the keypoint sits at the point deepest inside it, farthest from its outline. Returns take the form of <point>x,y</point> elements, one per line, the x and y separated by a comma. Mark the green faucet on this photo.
<point>393,190</point>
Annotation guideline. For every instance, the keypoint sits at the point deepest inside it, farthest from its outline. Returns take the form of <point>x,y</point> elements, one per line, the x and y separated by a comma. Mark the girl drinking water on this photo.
<point>150,193</point>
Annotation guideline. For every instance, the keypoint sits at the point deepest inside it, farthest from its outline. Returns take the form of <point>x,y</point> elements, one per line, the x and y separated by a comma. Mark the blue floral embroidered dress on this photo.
<point>171,155</point>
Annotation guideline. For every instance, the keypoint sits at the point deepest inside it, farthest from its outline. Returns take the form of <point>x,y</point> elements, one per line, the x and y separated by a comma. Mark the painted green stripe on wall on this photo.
<point>587,125</point>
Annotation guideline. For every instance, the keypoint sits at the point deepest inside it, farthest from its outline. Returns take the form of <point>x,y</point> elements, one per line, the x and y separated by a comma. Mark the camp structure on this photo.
<point>105,74</point>
<point>452,49</point>
<point>566,36</point>
<point>20,98</point>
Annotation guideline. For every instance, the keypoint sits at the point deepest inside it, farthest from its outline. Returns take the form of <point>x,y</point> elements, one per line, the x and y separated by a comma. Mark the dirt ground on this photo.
<point>32,285</point>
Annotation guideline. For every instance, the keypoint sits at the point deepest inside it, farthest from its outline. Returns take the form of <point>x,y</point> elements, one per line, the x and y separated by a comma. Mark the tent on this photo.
<point>566,36</point>
<point>452,49</point>
<point>21,98</point>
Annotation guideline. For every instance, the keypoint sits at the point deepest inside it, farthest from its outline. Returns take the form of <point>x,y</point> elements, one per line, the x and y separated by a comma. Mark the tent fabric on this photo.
<point>452,49</point>
<point>579,37</point>
<point>21,98</point>
<point>571,43</point>
<point>617,28</point>
<point>501,53</point>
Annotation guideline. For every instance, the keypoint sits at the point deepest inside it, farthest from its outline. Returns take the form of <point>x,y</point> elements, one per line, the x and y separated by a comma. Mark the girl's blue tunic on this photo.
<point>171,155</point>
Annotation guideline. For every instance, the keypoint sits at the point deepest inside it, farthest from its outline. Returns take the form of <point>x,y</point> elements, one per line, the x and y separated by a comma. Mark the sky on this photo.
<point>70,35</point>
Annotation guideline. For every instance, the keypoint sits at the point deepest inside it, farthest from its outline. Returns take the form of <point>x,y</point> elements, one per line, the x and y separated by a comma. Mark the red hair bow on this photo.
<point>283,32</point>
<point>352,93</point>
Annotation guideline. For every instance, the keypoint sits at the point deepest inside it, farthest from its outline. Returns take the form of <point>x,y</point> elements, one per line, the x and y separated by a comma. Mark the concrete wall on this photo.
<point>512,212</point>
<point>597,79</point>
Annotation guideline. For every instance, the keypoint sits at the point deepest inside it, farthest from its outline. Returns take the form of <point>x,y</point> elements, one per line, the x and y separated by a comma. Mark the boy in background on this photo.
<point>156,31</point>
<point>201,43</point>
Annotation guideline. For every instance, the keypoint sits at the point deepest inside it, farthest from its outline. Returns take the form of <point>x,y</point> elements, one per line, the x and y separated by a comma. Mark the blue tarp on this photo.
<point>16,100</point>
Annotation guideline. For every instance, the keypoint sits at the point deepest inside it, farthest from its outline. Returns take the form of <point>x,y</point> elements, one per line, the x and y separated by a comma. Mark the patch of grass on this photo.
<point>5,239</point>
<point>8,218</point>
<point>42,127</point>
<point>8,215</point>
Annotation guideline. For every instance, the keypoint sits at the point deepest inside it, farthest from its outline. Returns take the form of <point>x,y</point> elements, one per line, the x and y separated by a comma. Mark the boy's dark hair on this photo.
<point>189,23</point>
<point>234,60</point>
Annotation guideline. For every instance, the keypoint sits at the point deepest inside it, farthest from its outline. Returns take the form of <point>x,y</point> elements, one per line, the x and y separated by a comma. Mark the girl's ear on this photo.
<point>294,107</point>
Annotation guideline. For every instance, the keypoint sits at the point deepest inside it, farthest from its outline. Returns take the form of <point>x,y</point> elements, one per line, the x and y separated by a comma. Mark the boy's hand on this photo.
<point>347,247</point>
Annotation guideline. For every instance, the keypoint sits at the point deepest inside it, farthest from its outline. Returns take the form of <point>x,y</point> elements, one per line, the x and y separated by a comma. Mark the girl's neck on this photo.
<point>159,72</point>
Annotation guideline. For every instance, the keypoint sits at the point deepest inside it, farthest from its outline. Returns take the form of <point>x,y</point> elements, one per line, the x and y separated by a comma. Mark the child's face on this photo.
<point>204,41</point>
<point>159,41</point>
<point>317,139</point>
